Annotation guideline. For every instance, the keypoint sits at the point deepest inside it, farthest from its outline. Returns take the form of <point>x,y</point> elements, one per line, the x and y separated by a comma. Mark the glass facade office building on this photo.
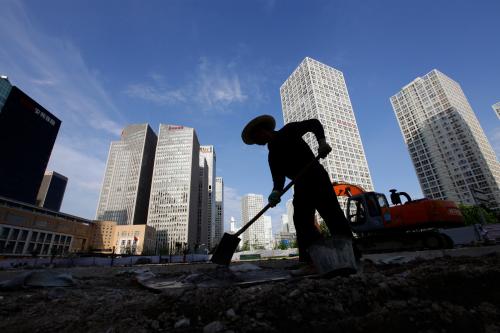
<point>127,179</point>
<point>27,135</point>
<point>173,203</point>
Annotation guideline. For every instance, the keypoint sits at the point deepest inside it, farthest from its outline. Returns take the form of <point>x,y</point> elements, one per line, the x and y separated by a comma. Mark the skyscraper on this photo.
<point>208,153</point>
<point>284,223</point>
<point>127,179</point>
<point>268,232</point>
<point>173,203</point>
<point>219,210</point>
<point>27,135</point>
<point>496,108</point>
<point>449,150</point>
<point>202,222</point>
<point>5,88</point>
<point>232,225</point>
<point>255,235</point>
<point>315,90</point>
<point>51,191</point>
<point>289,213</point>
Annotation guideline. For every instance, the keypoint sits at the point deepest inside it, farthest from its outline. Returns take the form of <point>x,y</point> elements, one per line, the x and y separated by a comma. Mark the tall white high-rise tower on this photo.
<point>449,150</point>
<point>219,210</point>
<point>173,204</point>
<point>127,180</point>
<point>496,108</point>
<point>315,90</point>
<point>255,235</point>
<point>268,233</point>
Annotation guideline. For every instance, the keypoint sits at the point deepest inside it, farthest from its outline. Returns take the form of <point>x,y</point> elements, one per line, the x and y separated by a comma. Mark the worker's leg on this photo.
<point>329,208</point>
<point>303,219</point>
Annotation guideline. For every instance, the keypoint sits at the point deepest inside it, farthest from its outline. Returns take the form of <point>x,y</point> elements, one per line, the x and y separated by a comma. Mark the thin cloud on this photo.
<point>211,87</point>
<point>53,72</point>
<point>155,94</point>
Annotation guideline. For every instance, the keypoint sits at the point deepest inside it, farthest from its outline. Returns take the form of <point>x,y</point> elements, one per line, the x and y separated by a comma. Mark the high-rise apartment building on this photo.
<point>254,236</point>
<point>5,88</point>
<point>127,179</point>
<point>289,213</point>
<point>51,191</point>
<point>202,240</point>
<point>284,223</point>
<point>219,210</point>
<point>27,135</point>
<point>496,108</point>
<point>208,153</point>
<point>449,150</point>
<point>315,90</point>
<point>268,233</point>
<point>173,203</point>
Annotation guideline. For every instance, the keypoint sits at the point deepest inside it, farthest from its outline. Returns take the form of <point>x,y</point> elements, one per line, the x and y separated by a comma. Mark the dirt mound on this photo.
<point>441,295</point>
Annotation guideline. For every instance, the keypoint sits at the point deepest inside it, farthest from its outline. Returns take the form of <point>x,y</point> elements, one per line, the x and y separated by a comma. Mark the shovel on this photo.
<point>229,242</point>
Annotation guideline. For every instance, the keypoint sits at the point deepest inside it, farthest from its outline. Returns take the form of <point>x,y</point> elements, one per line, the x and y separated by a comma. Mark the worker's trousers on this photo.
<point>312,192</point>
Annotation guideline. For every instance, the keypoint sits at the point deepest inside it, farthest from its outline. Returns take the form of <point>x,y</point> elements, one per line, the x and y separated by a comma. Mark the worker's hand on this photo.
<point>274,198</point>
<point>324,148</point>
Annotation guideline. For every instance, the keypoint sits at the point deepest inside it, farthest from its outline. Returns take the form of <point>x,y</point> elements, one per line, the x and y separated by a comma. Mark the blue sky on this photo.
<point>213,65</point>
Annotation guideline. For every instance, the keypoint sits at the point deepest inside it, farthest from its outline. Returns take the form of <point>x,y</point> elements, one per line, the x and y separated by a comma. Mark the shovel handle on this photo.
<point>263,210</point>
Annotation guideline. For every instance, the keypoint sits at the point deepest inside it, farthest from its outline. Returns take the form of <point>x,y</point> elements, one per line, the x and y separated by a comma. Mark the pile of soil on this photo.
<point>440,295</point>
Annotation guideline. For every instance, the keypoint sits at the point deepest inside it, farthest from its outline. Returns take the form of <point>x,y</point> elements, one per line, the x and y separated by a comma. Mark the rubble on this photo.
<point>445,294</point>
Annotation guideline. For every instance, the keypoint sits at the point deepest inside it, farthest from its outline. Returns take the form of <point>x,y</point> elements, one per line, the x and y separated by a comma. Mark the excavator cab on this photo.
<point>368,211</point>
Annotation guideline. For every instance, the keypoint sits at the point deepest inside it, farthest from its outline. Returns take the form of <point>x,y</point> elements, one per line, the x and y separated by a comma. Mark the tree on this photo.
<point>245,246</point>
<point>282,245</point>
<point>475,214</point>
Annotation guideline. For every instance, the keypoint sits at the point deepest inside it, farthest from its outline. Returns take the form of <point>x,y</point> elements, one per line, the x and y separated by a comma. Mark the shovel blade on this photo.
<point>333,255</point>
<point>225,250</point>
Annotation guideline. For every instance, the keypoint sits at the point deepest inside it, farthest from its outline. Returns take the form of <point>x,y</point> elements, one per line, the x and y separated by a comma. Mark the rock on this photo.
<point>155,324</point>
<point>294,293</point>
<point>338,307</point>
<point>214,327</point>
<point>230,313</point>
<point>183,322</point>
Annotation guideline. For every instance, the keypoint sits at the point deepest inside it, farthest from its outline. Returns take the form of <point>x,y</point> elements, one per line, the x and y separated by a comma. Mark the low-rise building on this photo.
<point>27,230</point>
<point>103,236</point>
<point>135,239</point>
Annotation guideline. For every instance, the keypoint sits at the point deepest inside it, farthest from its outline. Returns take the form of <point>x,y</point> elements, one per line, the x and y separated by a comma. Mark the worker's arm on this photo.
<point>310,125</point>
<point>278,180</point>
<point>314,126</point>
<point>276,173</point>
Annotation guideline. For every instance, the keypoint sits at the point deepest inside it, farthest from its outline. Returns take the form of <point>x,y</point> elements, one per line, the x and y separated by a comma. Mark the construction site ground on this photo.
<point>430,291</point>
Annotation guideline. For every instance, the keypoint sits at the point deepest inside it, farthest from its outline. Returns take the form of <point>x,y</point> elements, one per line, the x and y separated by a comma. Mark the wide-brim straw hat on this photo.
<point>264,121</point>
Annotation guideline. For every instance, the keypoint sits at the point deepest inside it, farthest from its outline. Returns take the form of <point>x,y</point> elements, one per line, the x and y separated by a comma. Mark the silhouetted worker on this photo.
<point>396,197</point>
<point>289,154</point>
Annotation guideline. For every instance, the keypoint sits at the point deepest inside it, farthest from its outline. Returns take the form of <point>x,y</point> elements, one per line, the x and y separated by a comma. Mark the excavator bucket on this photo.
<point>346,189</point>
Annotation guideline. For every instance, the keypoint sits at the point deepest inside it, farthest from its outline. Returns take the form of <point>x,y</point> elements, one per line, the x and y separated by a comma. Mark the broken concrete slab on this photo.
<point>41,279</point>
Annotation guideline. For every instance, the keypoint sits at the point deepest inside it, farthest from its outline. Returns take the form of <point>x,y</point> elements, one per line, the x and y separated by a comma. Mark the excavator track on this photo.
<point>396,241</point>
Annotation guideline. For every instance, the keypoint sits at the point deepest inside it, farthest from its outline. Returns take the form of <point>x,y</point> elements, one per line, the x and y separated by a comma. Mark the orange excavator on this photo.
<point>416,224</point>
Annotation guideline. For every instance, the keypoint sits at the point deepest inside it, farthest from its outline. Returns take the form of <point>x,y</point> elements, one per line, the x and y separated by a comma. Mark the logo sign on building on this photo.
<point>173,128</point>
